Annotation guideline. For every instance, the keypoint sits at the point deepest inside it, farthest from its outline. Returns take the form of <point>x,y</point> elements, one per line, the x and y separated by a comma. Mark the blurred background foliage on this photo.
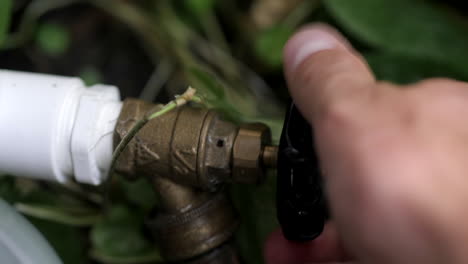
<point>230,50</point>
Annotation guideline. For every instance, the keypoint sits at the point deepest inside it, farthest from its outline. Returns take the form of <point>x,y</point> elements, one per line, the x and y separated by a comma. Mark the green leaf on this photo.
<point>90,75</point>
<point>32,199</point>
<point>200,7</point>
<point>210,87</point>
<point>269,45</point>
<point>120,235</point>
<point>235,106</point>
<point>150,257</point>
<point>67,241</point>
<point>5,14</point>
<point>53,39</point>
<point>214,94</point>
<point>139,192</point>
<point>72,215</point>
<point>415,28</point>
<point>257,209</point>
<point>8,190</point>
<point>406,69</point>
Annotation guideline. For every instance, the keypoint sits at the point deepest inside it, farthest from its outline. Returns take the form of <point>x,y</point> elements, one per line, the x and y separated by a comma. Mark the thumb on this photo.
<point>325,75</point>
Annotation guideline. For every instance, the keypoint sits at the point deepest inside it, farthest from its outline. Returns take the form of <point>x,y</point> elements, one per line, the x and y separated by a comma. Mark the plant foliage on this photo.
<point>5,13</point>
<point>235,65</point>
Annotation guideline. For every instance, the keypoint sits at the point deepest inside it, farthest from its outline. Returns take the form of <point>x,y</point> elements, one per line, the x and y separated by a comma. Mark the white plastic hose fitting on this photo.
<point>55,128</point>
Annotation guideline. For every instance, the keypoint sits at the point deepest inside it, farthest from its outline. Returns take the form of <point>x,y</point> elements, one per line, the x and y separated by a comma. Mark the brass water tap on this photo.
<point>189,154</point>
<point>194,146</point>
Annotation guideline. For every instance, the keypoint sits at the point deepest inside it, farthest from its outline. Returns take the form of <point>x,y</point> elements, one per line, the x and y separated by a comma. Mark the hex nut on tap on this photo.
<point>247,153</point>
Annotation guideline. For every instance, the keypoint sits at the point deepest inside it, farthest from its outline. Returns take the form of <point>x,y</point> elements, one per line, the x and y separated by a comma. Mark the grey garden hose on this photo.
<point>20,242</point>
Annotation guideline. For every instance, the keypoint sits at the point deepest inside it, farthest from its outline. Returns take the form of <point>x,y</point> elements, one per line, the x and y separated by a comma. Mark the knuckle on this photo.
<point>440,85</point>
<point>336,114</point>
<point>345,104</point>
<point>439,91</point>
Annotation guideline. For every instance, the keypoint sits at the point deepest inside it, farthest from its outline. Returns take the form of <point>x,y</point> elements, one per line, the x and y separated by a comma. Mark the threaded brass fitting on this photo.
<point>192,146</point>
<point>188,154</point>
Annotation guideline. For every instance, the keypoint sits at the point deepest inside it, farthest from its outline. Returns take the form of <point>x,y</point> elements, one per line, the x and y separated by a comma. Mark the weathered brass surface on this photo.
<point>215,152</point>
<point>225,254</point>
<point>248,153</point>
<point>176,198</point>
<point>270,156</point>
<point>191,146</point>
<point>189,154</point>
<point>204,223</point>
<point>167,145</point>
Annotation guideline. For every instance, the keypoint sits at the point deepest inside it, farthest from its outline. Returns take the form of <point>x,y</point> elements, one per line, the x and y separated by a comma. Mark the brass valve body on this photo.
<point>188,154</point>
<point>193,146</point>
<point>189,145</point>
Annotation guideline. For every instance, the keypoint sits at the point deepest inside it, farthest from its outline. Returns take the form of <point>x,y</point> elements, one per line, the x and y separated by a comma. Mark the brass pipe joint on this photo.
<point>206,222</point>
<point>188,154</point>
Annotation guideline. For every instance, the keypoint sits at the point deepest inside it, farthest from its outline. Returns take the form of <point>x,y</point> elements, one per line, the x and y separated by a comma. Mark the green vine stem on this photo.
<point>151,257</point>
<point>64,216</point>
<point>180,100</point>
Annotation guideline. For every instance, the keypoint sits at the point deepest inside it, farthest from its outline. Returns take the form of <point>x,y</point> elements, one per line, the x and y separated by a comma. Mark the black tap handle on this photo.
<point>301,206</point>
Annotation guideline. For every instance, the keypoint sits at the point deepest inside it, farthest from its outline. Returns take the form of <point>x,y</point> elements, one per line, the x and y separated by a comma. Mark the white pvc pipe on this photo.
<point>54,128</point>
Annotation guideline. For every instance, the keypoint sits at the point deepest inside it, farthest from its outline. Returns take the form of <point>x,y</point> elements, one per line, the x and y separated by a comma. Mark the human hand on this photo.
<point>395,159</point>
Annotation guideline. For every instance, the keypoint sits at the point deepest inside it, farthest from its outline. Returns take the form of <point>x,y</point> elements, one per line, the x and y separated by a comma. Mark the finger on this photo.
<point>347,262</point>
<point>326,248</point>
<point>324,73</point>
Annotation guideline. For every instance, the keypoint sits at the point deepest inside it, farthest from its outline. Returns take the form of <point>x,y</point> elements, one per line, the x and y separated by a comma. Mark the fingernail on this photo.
<point>306,42</point>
